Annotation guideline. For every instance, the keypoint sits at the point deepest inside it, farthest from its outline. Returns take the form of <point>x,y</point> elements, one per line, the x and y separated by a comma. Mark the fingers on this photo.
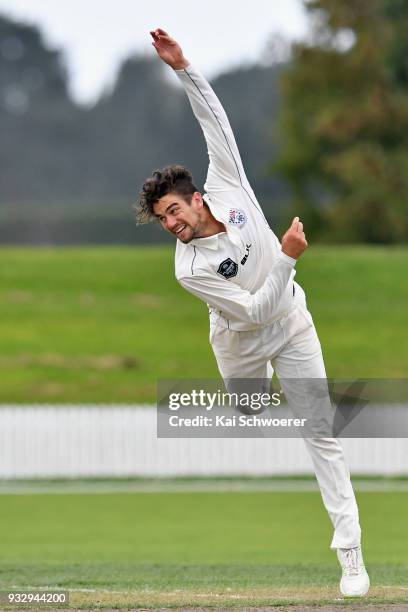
<point>157,40</point>
<point>161,32</point>
<point>297,225</point>
<point>158,33</point>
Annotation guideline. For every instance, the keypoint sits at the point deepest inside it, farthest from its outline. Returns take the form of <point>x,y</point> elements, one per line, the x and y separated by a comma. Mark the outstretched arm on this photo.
<point>225,167</point>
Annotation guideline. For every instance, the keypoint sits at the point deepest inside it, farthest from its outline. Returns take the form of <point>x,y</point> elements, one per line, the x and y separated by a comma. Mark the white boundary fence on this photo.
<point>84,441</point>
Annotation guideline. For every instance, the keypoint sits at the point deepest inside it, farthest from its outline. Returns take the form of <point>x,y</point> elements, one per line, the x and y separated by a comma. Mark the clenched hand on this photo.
<point>294,240</point>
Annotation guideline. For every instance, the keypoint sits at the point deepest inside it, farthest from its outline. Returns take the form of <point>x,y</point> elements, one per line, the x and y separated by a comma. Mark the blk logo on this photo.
<point>245,257</point>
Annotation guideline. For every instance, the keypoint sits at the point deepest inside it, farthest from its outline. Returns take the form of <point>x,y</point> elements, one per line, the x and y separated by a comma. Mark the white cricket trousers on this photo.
<point>291,347</point>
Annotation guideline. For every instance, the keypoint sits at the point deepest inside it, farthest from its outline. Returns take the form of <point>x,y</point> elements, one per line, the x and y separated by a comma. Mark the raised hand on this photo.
<point>294,240</point>
<point>168,49</point>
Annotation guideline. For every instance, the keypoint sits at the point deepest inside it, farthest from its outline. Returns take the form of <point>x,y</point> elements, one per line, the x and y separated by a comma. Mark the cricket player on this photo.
<point>228,256</point>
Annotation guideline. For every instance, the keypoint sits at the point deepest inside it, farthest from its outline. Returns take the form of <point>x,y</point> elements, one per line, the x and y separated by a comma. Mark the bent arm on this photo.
<point>225,167</point>
<point>257,308</point>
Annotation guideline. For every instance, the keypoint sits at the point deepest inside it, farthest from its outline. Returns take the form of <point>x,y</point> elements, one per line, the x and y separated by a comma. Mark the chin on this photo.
<point>186,240</point>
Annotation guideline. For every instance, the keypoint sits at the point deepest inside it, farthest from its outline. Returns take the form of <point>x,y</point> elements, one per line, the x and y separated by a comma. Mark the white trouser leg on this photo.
<point>294,348</point>
<point>241,354</point>
<point>301,357</point>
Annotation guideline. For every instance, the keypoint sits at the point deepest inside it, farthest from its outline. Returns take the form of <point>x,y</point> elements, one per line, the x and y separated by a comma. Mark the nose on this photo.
<point>171,223</point>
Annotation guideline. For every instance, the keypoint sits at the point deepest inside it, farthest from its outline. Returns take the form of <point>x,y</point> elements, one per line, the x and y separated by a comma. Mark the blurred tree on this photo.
<point>70,173</point>
<point>345,121</point>
<point>37,117</point>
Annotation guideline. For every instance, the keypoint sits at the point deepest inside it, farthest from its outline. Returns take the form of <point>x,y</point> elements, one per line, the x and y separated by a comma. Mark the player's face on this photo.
<point>178,217</point>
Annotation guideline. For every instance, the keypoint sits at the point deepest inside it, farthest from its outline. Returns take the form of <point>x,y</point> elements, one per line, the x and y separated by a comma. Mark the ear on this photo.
<point>197,200</point>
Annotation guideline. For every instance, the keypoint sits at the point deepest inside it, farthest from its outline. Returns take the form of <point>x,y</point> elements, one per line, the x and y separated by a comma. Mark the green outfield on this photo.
<point>195,548</point>
<point>103,324</point>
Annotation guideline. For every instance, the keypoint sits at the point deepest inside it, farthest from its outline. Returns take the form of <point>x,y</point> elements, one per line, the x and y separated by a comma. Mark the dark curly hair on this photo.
<point>174,178</point>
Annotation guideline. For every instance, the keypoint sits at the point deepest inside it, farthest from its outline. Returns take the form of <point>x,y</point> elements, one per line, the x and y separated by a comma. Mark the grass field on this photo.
<point>103,324</point>
<point>178,549</point>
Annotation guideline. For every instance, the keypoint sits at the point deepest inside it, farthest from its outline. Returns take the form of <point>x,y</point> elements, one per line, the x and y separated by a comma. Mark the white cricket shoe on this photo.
<point>354,581</point>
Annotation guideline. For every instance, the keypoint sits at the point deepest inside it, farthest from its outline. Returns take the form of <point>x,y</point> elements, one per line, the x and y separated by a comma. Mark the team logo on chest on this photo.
<point>237,217</point>
<point>228,268</point>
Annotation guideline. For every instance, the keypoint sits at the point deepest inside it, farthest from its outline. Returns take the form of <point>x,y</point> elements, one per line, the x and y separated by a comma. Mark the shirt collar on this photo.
<point>210,242</point>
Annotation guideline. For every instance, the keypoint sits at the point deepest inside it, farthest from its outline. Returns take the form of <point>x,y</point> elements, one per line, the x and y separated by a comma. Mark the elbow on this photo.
<point>257,316</point>
<point>260,312</point>
<point>259,319</point>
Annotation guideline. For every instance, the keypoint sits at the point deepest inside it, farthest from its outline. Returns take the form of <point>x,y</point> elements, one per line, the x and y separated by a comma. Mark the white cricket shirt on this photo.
<point>242,273</point>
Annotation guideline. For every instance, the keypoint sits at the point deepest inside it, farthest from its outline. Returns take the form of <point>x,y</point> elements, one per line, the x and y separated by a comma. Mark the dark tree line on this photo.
<point>324,135</point>
<point>70,173</point>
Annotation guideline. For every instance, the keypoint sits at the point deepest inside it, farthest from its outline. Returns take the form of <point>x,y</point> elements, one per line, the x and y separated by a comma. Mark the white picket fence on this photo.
<point>86,441</point>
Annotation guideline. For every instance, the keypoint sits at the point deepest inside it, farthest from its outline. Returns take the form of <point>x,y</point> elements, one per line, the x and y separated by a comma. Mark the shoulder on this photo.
<point>235,207</point>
